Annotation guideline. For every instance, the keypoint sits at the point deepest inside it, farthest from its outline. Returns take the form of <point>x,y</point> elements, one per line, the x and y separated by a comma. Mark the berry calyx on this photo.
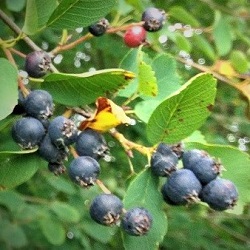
<point>153,19</point>
<point>137,221</point>
<point>84,170</point>
<point>182,187</point>
<point>99,28</point>
<point>28,132</point>
<point>56,168</point>
<point>135,36</point>
<point>37,63</point>
<point>106,209</point>
<point>220,194</point>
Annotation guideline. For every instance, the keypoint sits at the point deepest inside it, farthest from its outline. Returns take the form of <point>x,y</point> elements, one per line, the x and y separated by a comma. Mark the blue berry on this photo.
<point>62,131</point>
<point>39,104</point>
<point>28,132</point>
<point>37,63</point>
<point>99,28</point>
<point>201,164</point>
<point>49,152</point>
<point>84,170</point>
<point>91,143</point>
<point>182,187</point>
<point>106,209</point>
<point>137,221</point>
<point>153,19</point>
<point>220,194</point>
<point>164,160</point>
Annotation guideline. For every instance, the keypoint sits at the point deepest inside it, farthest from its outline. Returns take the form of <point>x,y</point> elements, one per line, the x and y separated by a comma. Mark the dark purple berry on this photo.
<point>56,168</point>
<point>39,104</point>
<point>106,209</point>
<point>49,152</point>
<point>135,36</point>
<point>91,143</point>
<point>28,132</point>
<point>153,19</point>
<point>220,194</point>
<point>201,164</point>
<point>99,28</point>
<point>84,170</point>
<point>182,187</point>
<point>37,63</point>
<point>163,161</point>
<point>62,131</point>
<point>137,221</point>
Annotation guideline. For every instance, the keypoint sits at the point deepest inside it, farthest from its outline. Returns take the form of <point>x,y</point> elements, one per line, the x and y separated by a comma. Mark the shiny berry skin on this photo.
<point>62,131</point>
<point>220,194</point>
<point>135,36</point>
<point>201,164</point>
<point>28,132</point>
<point>91,143</point>
<point>137,221</point>
<point>49,152</point>
<point>84,170</point>
<point>163,161</point>
<point>153,19</point>
<point>182,187</point>
<point>99,28</point>
<point>39,104</point>
<point>37,63</point>
<point>106,209</point>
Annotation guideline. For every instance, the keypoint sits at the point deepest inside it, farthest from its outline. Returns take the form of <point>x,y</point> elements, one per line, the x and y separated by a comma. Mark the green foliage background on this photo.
<point>41,211</point>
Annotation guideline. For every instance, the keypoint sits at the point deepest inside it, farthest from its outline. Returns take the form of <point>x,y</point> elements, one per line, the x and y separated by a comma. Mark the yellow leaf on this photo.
<point>225,68</point>
<point>108,115</point>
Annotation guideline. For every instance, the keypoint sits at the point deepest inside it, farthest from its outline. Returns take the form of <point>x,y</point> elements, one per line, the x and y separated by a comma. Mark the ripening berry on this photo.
<point>135,36</point>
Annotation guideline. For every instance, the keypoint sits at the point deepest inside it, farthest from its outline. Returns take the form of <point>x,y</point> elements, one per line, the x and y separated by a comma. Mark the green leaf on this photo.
<point>37,14</point>
<point>166,74</point>
<point>143,192</point>
<point>144,109</point>
<point>203,45</point>
<point>52,230</point>
<point>12,200</point>
<point>182,42</point>
<point>13,235</point>
<point>222,34</point>
<point>237,168</point>
<point>184,112</point>
<point>179,13</point>
<point>15,5</point>
<point>239,61</point>
<point>71,14</point>
<point>61,184</point>
<point>147,81</point>
<point>65,212</point>
<point>98,232</point>
<point>9,91</point>
<point>83,89</point>
<point>16,169</point>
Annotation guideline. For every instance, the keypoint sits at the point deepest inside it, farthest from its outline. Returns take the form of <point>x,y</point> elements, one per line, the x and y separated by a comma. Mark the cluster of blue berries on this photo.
<point>53,136</point>
<point>198,180</point>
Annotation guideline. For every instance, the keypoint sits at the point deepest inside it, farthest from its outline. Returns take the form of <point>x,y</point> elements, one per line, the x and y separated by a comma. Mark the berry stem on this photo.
<point>103,187</point>
<point>73,152</point>
<point>128,145</point>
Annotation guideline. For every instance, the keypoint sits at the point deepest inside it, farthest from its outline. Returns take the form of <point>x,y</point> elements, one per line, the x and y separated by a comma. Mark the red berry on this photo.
<point>135,36</point>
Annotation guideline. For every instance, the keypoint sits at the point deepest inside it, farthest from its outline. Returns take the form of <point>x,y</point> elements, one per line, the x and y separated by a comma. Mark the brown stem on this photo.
<point>17,52</point>
<point>103,187</point>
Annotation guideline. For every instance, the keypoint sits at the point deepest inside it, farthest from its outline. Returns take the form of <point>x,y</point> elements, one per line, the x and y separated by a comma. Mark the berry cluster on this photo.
<point>107,210</point>
<point>152,19</point>
<point>198,179</point>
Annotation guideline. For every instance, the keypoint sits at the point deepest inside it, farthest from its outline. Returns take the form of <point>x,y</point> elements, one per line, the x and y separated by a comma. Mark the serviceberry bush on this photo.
<point>124,124</point>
